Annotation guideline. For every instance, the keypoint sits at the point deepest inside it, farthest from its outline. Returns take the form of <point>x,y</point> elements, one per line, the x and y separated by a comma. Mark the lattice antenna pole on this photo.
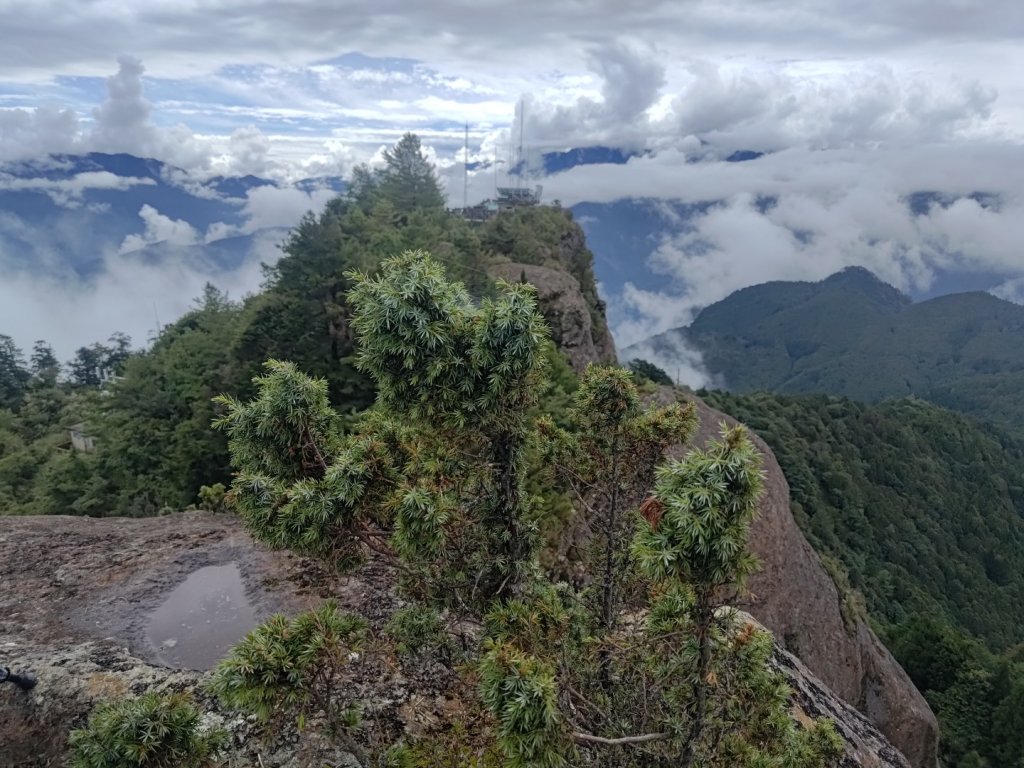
<point>522,124</point>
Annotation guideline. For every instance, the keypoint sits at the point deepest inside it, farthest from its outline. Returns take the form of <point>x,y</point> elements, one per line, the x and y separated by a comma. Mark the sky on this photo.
<point>857,105</point>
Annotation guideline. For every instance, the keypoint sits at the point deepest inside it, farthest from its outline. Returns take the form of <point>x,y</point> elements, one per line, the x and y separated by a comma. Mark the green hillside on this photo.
<point>924,510</point>
<point>856,336</point>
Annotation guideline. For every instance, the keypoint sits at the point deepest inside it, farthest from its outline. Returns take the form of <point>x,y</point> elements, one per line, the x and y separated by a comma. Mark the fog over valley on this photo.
<point>723,144</point>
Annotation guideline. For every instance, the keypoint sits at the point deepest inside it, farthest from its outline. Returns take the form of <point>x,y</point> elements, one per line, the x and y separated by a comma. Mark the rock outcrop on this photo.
<point>793,596</point>
<point>865,745</point>
<point>79,591</point>
<point>77,597</point>
<point>570,317</point>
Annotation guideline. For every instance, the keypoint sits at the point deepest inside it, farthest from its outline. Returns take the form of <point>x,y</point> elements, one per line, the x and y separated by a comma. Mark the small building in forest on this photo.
<point>81,441</point>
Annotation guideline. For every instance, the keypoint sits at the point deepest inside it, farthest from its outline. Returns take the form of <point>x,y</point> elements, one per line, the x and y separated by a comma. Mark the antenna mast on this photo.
<point>465,172</point>
<point>522,123</point>
<point>156,315</point>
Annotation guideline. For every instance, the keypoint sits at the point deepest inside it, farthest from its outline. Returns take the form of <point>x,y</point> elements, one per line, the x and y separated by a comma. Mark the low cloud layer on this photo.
<point>128,295</point>
<point>804,214</point>
<point>858,107</point>
<point>68,192</point>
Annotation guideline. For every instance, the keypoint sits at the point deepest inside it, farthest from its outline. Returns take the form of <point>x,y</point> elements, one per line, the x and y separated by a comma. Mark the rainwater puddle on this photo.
<point>201,619</point>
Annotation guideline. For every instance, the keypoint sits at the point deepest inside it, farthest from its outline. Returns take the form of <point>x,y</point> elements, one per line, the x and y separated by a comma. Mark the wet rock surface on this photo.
<point>72,578</point>
<point>76,601</point>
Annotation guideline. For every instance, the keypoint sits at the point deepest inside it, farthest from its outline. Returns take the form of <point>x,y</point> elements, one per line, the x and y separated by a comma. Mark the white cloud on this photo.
<point>127,295</point>
<point>33,133</point>
<point>1011,290</point>
<point>248,153</point>
<point>68,192</point>
<point>273,207</point>
<point>159,229</point>
<point>682,364</point>
<point>123,121</point>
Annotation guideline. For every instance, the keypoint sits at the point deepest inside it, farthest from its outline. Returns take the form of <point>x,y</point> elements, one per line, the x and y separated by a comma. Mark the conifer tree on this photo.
<point>696,541</point>
<point>607,458</point>
<point>408,179</point>
<point>726,707</point>
<point>301,485</point>
<point>289,669</point>
<point>45,367</point>
<point>152,731</point>
<point>441,457</point>
<point>13,374</point>
<point>461,378</point>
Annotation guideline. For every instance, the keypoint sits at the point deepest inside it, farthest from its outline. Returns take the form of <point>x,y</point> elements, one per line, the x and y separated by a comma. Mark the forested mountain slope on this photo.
<point>924,510</point>
<point>856,336</point>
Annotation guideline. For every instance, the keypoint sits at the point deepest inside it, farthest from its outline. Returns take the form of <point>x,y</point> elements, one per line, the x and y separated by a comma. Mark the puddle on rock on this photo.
<point>201,619</point>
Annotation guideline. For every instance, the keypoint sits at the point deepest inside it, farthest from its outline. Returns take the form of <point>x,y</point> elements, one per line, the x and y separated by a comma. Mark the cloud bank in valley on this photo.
<point>857,107</point>
<point>130,295</point>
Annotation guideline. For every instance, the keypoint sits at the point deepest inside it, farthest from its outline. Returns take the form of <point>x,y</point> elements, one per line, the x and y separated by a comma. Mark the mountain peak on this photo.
<point>863,281</point>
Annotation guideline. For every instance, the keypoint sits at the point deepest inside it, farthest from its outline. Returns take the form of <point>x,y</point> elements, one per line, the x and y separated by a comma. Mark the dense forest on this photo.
<point>148,411</point>
<point>856,336</point>
<point>922,511</point>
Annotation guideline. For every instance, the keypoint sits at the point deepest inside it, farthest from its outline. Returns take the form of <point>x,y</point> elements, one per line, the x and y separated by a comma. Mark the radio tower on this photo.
<point>465,172</point>
<point>519,160</point>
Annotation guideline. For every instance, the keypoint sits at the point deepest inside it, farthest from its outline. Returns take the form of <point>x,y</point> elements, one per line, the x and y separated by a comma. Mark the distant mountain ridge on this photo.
<point>66,213</point>
<point>854,335</point>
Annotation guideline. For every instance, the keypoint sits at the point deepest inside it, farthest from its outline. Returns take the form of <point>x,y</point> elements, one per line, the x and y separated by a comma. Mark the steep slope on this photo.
<point>923,509</point>
<point>854,335</point>
<point>794,596</point>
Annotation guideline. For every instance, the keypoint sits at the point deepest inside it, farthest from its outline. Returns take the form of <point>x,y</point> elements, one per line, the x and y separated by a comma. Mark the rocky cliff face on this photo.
<point>548,249</point>
<point>572,325</point>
